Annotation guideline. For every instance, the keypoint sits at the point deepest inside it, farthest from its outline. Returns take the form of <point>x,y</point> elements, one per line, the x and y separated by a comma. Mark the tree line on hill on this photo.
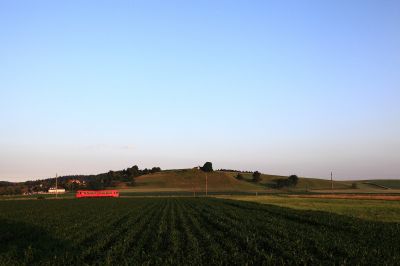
<point>112,178</point>
<point>291,181</point>
<point>256,176</point>
<point>10,188</point>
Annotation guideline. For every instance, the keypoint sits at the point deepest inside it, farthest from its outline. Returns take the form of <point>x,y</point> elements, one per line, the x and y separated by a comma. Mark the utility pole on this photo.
<point>331,181</point>
<point>206,185</point>
<point>56,187</point>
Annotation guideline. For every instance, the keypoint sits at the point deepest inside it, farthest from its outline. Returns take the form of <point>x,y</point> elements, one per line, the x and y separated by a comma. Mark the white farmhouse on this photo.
<point>54,190</point>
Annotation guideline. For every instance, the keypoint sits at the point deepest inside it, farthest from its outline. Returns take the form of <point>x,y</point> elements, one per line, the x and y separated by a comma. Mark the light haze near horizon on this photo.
<point>283,87</point>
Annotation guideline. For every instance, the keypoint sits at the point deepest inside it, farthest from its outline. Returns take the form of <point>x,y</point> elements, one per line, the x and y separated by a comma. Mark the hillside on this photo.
<point>191,180</point>
<point>388,183</point>
<point>151,180</point>
<point>218,181</point>
<point>377,184</point>
<point>304,183</point>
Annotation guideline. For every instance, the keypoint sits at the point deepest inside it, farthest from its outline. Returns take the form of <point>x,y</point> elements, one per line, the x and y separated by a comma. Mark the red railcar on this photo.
<point>97,193</point>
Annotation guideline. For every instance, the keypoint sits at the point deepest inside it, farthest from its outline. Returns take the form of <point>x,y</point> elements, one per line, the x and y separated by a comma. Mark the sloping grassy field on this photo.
<point>191,180</point>
<point>304,183</point>
<point>389,183</point>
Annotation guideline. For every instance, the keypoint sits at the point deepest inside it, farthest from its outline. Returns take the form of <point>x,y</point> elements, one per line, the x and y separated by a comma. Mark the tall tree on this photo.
<point>207,167</point>
<point>293,180</point>
<point>256,176</point>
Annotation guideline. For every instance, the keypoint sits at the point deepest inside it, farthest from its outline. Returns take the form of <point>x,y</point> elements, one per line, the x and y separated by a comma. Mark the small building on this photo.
<point>54,190</point>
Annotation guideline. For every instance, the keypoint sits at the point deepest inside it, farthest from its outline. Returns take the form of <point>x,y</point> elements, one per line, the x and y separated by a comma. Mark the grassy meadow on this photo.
<point>374,210</point>
<point>190,180</point>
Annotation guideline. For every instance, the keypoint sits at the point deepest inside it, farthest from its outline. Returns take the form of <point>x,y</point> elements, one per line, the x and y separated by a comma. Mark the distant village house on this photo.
<point>56,191</point>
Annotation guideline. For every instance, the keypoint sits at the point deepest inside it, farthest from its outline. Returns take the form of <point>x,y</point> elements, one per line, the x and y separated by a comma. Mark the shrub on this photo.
<point>239,176</point>
<point>293,180</point>
<point>256,176</point>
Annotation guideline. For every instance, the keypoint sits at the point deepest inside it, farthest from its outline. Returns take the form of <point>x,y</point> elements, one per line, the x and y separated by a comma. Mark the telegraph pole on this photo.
<point>56,187</point>
<point>331,181</point>
<point>206,185</point>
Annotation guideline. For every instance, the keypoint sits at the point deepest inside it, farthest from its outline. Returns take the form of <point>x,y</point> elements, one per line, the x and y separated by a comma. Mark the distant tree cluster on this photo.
<point>291,181</point>
<point>5,183</point>
<point>112,177</point>
<point>11,189</point>
<point>75,182</point>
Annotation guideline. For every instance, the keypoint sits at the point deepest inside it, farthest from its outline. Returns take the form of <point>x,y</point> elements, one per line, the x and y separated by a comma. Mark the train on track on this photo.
<point>97,193</point>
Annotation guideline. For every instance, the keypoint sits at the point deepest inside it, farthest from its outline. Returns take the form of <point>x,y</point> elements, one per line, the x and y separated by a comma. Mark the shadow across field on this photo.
<point>28,244</point>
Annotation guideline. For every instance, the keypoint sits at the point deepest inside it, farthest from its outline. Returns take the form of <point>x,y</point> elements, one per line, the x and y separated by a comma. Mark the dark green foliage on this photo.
<point>10,189</point>
<point>291,181</point>
<point>256,176</point>
<point>187,231</point>
<point>5,183</point>
<point>239,176</point>
<point>72,186</point>
<point>280,183</point>
<point>133,171</point>
<point>155,169</point>
<point>95,184</point>
<point>207,167</point>
<point>354,186</point>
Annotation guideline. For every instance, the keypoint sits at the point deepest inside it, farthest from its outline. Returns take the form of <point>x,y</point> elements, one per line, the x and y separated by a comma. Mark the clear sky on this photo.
<point>284,87</point>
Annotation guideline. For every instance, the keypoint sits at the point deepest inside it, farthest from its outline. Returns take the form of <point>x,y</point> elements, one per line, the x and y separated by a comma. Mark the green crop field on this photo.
<point>187,231</point>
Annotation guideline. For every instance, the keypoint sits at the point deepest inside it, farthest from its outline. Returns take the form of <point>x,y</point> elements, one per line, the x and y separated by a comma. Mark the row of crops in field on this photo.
<point>186,231</point>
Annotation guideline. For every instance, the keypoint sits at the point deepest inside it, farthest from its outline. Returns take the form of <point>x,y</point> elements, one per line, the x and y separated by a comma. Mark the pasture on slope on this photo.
<point>219,181</point>
<point>368,209</point>
<point>191,180</point>
<point>267,181</point>
<point>186,231</point>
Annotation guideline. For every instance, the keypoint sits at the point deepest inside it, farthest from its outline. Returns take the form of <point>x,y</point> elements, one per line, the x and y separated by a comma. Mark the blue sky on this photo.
<point>284,87</point>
